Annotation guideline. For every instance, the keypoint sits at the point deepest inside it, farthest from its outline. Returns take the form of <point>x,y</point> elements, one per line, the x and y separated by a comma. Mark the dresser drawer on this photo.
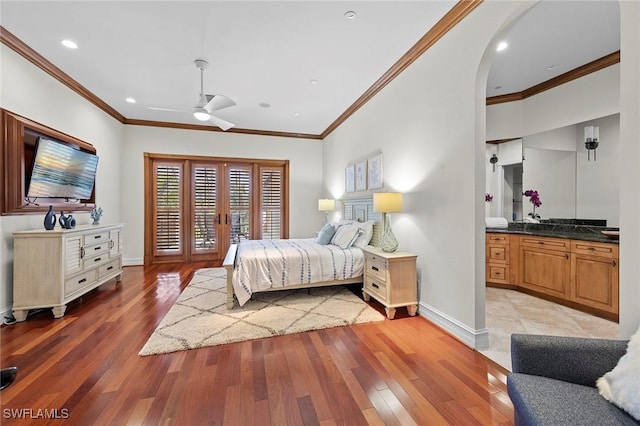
<point>377,268</point>
<point>96,249</point>
<point>96,237</point>
<point>376,288</point>
<point>80,281</point>
<point>91,262</point>
<point>109,268</point>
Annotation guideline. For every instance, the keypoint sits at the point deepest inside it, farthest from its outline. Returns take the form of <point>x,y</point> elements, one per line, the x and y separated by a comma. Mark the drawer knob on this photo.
<point>97,237</point>
<point>97,259</point>
<point>375,268</point>
<point>82,280</point>
<point>374,285</point>
<point>109,268</point>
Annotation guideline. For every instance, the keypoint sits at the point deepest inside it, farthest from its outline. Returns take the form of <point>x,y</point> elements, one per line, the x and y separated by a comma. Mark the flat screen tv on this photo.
<point>61,171</point>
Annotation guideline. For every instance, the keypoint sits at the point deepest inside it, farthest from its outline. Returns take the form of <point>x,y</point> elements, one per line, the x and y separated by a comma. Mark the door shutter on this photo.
<point>271,203</point>
<point>239,203</point>
<point>168,208</point>
<point>205,179</point>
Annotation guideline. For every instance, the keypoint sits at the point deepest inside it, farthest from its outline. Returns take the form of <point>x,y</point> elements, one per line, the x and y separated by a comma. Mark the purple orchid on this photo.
<point>488,197</point>
<point>534,197</point>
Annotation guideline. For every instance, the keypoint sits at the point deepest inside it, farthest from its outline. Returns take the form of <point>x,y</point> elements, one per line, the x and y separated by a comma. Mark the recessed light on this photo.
<point>501,46</point>
<point>131,100</point>
<point>552,67</point>
<point>350,14</point>
<point>314,81</point>
<point>296,114</point>
<point>264,105</point>
<point>70,44</point>
<point>497,88</point>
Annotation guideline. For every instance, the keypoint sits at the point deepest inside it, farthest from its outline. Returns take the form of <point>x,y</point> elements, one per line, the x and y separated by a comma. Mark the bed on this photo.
<point>268,265</point>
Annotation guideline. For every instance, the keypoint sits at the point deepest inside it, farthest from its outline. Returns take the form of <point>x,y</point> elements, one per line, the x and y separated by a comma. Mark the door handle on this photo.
<point>226,219</point>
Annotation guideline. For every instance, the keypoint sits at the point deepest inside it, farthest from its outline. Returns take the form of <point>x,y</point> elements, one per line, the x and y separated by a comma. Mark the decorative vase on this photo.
<point>50,219</point>
<point>96,213</point>
<point>71,222</point>
<point>62,220</point>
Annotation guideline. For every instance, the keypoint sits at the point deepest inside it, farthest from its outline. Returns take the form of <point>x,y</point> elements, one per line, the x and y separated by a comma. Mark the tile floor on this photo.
<point>509,311</point>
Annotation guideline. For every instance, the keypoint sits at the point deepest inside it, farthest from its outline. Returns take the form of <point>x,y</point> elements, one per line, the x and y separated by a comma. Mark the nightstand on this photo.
<point>390,278</point>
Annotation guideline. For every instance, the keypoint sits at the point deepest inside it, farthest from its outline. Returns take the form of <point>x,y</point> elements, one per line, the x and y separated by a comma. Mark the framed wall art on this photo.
<point>374,171</point>
<point>361,175</point>
<point>349,178</point>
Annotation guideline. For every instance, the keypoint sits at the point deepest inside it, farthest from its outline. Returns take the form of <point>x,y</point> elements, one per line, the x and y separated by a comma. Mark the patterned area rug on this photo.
<point>200,317</point>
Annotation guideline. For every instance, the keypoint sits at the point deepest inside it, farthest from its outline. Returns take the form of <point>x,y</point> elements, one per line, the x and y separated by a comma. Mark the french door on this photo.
<point>196,207</point>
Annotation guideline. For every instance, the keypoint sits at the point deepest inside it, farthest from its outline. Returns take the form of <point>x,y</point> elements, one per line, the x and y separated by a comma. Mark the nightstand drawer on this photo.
<point>376,288</point>
<point>377,268</point>
<point>79,281</point>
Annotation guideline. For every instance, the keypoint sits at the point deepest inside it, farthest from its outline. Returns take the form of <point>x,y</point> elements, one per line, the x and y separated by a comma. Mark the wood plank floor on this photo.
<point>84,369</point>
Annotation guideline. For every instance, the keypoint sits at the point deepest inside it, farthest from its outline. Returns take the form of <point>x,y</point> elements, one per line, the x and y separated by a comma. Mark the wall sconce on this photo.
<point>387,203</point>
<point>591,137</point>
<point>326,205</point>
<point>493,160</point>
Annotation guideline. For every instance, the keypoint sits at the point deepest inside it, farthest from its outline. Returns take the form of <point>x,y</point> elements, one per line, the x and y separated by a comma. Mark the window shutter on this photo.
<point>204,206</point>
<point>168,205</point>
<point>271,204</point>
<point>240,203</point>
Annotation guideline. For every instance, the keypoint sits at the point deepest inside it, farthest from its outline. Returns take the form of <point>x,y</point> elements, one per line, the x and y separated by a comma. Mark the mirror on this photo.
<point>556,164</point>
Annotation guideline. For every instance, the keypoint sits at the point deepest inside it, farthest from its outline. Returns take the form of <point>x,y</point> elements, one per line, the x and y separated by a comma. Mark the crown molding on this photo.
<point>499,141</point>
<point>202,127</point>
<point>574,74</point>
<point>448,21</point>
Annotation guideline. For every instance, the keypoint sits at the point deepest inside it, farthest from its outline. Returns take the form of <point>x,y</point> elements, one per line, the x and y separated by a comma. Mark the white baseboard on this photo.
<point>133,262</point>
<point>476,339</point>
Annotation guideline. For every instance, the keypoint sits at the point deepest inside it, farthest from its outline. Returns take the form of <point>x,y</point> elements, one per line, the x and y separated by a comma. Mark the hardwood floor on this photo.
<point>84,369</point>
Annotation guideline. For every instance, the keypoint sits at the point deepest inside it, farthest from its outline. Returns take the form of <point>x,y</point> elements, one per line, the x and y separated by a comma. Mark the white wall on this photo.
<point>426,124</point>
<point>30,92</point>
<point>305,168</point>
<point>629,168</point>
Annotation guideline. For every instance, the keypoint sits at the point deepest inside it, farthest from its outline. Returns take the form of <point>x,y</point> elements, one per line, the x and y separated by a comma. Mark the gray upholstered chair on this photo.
<point>554,380</point>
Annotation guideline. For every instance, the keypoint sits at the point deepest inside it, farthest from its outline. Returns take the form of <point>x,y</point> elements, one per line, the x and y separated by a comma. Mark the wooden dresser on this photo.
<point>52,268</point>
<point>390,278</point>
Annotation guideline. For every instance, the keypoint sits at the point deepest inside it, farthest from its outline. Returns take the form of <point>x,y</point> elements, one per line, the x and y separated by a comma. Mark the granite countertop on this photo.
<point>574,232</point>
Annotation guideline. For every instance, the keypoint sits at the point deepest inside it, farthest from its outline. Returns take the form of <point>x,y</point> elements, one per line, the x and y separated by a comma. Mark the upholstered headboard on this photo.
<point>361,209</point>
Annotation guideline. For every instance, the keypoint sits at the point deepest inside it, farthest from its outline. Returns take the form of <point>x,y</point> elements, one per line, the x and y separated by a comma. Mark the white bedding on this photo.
<point>266,264</point>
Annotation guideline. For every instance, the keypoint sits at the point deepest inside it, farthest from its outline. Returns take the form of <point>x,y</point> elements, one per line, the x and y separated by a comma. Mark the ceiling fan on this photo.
<point>203,111</point>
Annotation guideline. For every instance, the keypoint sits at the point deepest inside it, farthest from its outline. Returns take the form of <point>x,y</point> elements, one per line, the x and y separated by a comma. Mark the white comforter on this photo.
<point>264,264</point>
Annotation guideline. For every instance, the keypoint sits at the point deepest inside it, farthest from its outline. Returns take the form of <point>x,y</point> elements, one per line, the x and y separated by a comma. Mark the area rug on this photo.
<point>200,318</point>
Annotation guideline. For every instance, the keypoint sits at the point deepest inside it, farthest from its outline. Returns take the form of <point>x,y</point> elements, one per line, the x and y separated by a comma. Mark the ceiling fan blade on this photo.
<point>216,102</point>
<point>223,124</point>
<point>164,109</point>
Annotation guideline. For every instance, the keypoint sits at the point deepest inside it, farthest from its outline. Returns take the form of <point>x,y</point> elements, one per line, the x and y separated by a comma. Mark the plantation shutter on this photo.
<point>204,183</point>
<point>272,202</point>
<point>168,207</point>
<point>240,203</point>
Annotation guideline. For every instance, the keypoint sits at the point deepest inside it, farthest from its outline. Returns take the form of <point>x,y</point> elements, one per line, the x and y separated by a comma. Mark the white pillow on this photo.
<point>346,235</point>
<point>363,240</point>
<point>621,385</point>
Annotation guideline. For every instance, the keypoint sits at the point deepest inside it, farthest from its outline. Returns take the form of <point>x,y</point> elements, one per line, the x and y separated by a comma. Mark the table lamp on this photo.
<point>326,205</point>
<point>387,203</point>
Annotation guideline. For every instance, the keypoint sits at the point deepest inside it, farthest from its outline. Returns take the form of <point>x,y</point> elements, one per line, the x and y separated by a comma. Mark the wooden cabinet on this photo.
<point>544,265</point>
<point>498,258</point>
<point>594,275</point>
<point>579,274</point>
<point>51,268</point>
<point>390,278</point>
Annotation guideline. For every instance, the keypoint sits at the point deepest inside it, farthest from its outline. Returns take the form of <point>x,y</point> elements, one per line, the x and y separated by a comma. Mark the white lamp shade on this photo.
<point>201,114</point>
<point>326,205</point>
<point>387,202</point>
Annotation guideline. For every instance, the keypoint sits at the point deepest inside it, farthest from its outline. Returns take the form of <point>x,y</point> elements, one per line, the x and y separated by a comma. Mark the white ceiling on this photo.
<point>269,52</point>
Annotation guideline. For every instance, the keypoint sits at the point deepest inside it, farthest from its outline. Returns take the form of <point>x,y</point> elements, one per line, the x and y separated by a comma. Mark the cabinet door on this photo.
<point>546,271</point>
<point>73,254</point>
<point>595,281</point>
<point>116,242</point>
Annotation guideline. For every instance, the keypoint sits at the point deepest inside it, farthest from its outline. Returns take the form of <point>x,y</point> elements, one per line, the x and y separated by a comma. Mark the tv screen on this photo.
<point>60,171</point>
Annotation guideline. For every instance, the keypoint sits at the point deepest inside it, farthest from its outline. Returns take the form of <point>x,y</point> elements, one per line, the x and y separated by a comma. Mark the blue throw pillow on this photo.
<point>325,234</point>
